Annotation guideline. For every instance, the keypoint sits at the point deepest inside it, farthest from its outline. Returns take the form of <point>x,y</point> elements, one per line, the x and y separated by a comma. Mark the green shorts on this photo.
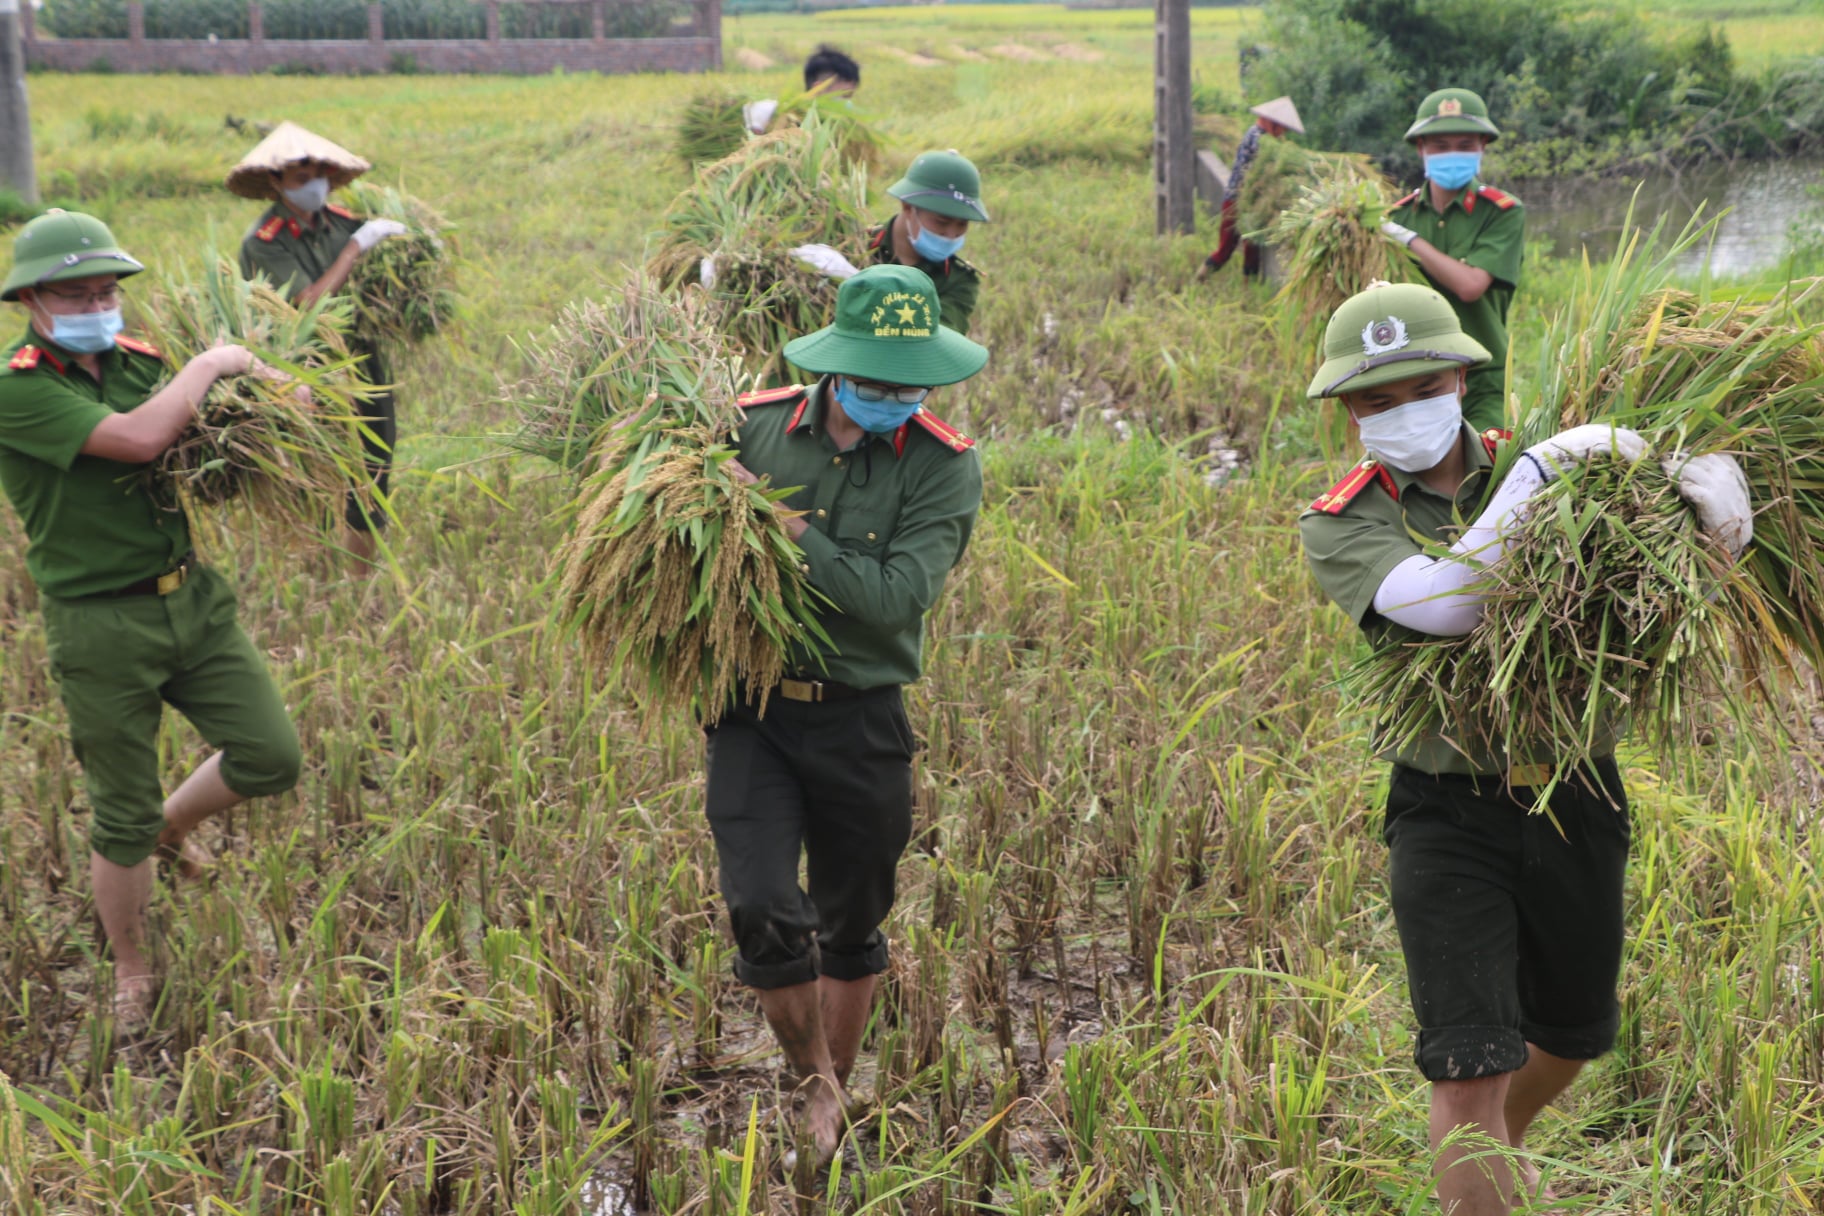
<point>119,661</point>
<point>1512,932</point>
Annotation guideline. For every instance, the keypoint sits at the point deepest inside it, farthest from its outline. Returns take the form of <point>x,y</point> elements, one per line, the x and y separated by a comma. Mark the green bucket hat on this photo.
<point>887,330</point>
<point>944,182</point>
<point>1452,112</point>
<point>1392,332</point>
<point>64,245</point>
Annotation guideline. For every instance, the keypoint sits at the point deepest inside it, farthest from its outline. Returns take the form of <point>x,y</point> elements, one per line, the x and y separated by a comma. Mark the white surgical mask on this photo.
<point>1415,436</point>
<point>310,196</point>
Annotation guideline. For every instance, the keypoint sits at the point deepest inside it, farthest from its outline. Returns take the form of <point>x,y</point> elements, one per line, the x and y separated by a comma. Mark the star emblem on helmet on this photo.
<point>1387,334</point>
<point>1450,107</point>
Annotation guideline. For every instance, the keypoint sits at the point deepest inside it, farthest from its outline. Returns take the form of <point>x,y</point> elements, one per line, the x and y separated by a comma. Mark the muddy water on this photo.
<point>1765,200</point>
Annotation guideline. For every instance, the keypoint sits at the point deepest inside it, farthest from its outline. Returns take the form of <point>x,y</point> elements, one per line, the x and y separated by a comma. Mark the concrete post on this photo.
<point>136,22</point>
<point>1174,159</point>
<point>598,20</point>
<point>16,168</point>
<point>256,22</point>
<point>376,23</point>
<point>493,20</point>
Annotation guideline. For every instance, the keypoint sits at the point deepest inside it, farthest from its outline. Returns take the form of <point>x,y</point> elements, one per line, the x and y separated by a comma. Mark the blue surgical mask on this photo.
<point>1453,170</point>
<point>86,333</point>
<point>935,248</point>
<point>877,417</point>
<point>310,196</point>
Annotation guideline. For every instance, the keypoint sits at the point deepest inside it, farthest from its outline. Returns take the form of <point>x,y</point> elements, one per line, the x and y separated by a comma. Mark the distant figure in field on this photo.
<point>939,197</point>
<point>1273,118</point>
<point>132,622</point>
<point>307,246</point>
<point>827,73</point>
<point>1468,238</point>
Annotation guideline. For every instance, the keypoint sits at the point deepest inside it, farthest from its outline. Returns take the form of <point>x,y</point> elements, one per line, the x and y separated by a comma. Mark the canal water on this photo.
<point>1766,201</point>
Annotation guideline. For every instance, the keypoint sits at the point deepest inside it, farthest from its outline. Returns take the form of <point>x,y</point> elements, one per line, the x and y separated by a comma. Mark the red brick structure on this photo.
<point>700,51</point>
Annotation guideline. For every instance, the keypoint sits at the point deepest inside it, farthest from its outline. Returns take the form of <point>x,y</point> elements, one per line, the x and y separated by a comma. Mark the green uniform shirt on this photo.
<point>293,255</point>
<point>958,283</point>
<point>1352,553</point>
<point>888,520</point>
<point>1478,230</point>
<point>93,525</point>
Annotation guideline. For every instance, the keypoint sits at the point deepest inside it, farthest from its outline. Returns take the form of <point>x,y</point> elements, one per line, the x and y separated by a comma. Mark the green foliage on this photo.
<point>1569,88</point>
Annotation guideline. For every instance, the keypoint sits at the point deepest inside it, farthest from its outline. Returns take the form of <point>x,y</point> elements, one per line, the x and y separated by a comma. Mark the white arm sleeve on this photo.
<point>1434,595</point>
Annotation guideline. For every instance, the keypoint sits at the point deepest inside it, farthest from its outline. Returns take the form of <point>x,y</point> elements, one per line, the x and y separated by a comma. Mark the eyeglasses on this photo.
<point>867,390</point>
<point>107,297</point>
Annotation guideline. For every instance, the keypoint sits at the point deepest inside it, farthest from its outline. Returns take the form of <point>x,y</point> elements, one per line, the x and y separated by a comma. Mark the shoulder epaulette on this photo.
<point>1344,492</point>
<point>771,396</point>
<point>878,235</point>
<point>948,435</point>
<point>1493,438</point>
<point>25,359</point>
<point>1413,197</point>
<point>969,266</point>
<point>137,347</point>
<point>339,209</point>
<point>270,228</point>
<point>1500,199</point>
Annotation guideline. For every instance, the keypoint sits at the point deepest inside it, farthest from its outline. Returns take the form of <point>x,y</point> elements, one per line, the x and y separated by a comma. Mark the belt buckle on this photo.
<point>801,690</point>
<point>1528,776</point>
<point>171,581</point>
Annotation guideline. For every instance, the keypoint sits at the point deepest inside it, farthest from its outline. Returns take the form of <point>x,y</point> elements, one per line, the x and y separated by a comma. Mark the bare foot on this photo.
<point>186,856</point>
<point>819,1133</point>
<point>134,999</point>
<point>1533,1193</point>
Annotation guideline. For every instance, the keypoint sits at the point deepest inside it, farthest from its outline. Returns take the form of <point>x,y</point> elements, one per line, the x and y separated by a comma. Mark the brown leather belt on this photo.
<point>158,584</point>
<point>817,690</point>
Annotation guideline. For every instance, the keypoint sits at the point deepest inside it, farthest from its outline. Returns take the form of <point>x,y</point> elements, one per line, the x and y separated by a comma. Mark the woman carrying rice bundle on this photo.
<point>1273,118</point>
<point>1510,921</point>
<point>307,246</point>
<point>131,621</point>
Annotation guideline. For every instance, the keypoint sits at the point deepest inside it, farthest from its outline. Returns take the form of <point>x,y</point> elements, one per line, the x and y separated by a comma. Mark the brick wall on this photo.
<point>700,52</point>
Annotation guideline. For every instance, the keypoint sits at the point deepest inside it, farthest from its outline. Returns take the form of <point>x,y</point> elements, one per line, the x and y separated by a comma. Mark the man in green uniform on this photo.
<point>939,197</point>
<point>1468,238</point>
<point>1511,922</point>
<point>307,246</point>
<point>130,620</point>
<point>888,495</point>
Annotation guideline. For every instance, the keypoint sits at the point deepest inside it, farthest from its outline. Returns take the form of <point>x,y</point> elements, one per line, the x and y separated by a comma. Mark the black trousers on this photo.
<point>1512,928</point>
<point>831,781</point>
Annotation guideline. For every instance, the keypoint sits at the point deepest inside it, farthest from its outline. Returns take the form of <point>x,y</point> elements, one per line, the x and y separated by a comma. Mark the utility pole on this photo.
<point>1174,159</point>
<point>16,171</point>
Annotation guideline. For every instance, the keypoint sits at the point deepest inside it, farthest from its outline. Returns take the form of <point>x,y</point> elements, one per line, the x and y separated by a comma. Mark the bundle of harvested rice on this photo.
<point>1280,173</point>
<point>682,580</point>
<point>1332,232</point>
<point>714,125</point>
<point>257,441</point>
<point>734,229</point>
<point>1611,606</point>
<point>404,287</point>
<point>602,360</point>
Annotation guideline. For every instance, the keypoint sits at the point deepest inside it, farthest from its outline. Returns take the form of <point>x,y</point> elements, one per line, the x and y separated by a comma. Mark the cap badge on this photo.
<point>1450,107</point>
<point>1379,337</point>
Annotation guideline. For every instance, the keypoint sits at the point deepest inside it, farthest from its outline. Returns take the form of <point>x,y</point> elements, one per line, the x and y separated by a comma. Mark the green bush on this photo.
<point>1571,90</point>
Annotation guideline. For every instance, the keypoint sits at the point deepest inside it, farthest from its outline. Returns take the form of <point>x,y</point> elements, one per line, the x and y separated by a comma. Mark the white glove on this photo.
<point>825,260</point>
<point>706,272</point>
<point>374,231</point>
<point>1557,454</point>
<point>757,116</point>
<point>1399,233</point>
<point>1717,490</point>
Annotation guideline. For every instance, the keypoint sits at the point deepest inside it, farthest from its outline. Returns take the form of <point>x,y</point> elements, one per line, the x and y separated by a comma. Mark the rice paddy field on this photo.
<point>1144,960</point>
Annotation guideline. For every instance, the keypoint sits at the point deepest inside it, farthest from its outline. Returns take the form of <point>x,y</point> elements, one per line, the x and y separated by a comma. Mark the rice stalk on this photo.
<point>746,212</point>
<point>404,287</point>
<point>714,125</point>
<point>680,579</point>
<point>1331,231</point>
<point>1280,174</point>
<point>257,441</point>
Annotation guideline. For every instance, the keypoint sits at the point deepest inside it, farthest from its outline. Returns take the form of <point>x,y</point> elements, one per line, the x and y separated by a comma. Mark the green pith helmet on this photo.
<point>1452,112</point>
<point>1394,331</point>
<point>64,245</point>
<point>887,329</point>
<point>944,182</point>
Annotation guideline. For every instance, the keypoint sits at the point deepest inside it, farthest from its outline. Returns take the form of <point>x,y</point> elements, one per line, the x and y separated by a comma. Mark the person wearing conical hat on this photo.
<point>939,197</point>
<point>886,498</point>
<point>1510,922</point>
<point>1468,238</point>
<point>1273,118</point>
<point>307,246</point>
<point>132,622</point>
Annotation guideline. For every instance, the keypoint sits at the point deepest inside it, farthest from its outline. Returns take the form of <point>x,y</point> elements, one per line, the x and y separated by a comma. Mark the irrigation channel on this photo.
<point>1765,200</point>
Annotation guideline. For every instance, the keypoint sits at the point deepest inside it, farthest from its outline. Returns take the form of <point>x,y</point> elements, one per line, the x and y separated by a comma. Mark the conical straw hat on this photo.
<point>1282,111</point>
<point>287,145</point>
